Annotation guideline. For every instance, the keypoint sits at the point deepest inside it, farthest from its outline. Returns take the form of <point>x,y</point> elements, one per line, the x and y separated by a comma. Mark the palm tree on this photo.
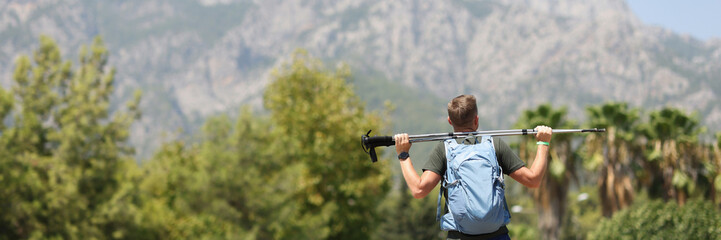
<point>550,198</point>
<point>672,141</point>
<point>715,170</point>
<point>612,154</point>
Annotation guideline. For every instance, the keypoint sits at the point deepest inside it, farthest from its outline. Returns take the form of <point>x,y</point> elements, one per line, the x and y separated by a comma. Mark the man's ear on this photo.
<point>449,121</point>
<point>476,122</point>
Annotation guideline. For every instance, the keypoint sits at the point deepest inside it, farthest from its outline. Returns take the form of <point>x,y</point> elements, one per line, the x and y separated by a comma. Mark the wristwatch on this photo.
<point>404,156</point>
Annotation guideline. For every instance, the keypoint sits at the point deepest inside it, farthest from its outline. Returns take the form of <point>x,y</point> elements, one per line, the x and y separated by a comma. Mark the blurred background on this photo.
<point>241,119</point>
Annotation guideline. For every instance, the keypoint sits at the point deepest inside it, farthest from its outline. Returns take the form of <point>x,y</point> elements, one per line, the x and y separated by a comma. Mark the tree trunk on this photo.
<point>606,193</point>
<point>607,178</point>
<point>681,197</point>
<point>551,196</point>
<point>614,183</point>
<point>717,154</point>
<point>551,208</point>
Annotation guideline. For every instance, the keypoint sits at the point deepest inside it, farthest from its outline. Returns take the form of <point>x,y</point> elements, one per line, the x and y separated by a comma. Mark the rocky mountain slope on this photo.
<point>197,58</point>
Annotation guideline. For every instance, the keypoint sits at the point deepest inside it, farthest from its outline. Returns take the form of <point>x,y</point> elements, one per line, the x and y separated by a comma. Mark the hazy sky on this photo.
<point>699,18</point>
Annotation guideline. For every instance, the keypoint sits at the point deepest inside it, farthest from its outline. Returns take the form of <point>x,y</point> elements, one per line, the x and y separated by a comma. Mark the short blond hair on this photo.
<point>462,111</point>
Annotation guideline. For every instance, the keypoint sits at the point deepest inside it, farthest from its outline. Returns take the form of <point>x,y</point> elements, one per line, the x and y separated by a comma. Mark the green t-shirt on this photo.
<point>509,162</point>
<point>507,159</point>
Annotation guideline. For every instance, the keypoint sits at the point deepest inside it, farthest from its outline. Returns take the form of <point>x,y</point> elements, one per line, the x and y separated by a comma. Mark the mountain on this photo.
<point>193,59</point>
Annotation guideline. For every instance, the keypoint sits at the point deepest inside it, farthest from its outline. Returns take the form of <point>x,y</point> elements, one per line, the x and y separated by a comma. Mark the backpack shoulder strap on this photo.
<point>438,210</point>
<point>448,144</point>
<point>488,138</point>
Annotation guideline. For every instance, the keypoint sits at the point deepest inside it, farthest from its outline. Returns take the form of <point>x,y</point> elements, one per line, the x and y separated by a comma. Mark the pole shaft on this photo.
<point>513,132</point>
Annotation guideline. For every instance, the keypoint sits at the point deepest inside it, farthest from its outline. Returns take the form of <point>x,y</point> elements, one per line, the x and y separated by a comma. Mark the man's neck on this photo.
<point>464,130</point>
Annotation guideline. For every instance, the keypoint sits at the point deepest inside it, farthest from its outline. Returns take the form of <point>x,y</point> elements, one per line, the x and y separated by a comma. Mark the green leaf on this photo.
<point>557,168</point>
<point>680,180</point>
<point>655,155</point>
<point>594,162</point>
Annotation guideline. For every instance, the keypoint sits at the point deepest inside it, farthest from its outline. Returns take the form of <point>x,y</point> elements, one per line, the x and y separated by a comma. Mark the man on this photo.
<point>463,116</point>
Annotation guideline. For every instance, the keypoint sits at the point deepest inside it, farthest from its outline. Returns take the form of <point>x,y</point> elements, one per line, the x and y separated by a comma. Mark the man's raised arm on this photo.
<point>420,186</point>
<point>531,177</point>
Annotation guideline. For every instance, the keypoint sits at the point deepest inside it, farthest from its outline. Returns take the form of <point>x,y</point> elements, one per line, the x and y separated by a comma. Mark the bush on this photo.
<point>659,220</point>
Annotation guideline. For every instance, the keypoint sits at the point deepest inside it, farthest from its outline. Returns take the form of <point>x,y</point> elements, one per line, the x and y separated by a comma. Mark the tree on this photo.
<point>223,186</point>
<point>297,173</point>
<point>672,141</point>
<point>64,158</point>
<point>612,153</point>
<point>550,197</point>
<point>318,121</point>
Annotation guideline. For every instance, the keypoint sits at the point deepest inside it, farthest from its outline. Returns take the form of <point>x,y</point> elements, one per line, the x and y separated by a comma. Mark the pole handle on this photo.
<point>369,144</point>
<point>378,141</point>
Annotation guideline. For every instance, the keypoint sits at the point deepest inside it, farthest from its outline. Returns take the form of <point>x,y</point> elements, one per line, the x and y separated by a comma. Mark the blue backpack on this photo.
<point>475,200</point>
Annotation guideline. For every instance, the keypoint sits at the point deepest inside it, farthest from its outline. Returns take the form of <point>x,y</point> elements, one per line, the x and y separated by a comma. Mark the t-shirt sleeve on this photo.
<point>436,160</point>
<point>509,161</point>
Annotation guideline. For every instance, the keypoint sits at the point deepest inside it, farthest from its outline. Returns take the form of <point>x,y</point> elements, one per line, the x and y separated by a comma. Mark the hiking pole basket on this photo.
<point>370,143</point>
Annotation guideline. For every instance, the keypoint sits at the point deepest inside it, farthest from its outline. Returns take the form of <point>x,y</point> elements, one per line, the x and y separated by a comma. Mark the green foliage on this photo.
<point>524,218</point>
<point>65,161</point>
<point>180,197</point>
<point>584,212</point>
<point>408,218</point>
<point>672,152</point>
<point>659,220</point>
<point>713,168</point>
<point>294,174</point>
<point>552,192</point>
<point>613,155</point>
<point>615,115</point>
<point>672,124</point>
<point>546,115</point>
<point>6,105</point>
<point>522,231</point>
<point>427,111</point>
<point>316,117</point>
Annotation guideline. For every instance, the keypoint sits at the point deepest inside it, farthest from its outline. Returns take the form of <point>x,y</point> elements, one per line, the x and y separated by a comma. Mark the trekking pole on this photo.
<point>370,143</point>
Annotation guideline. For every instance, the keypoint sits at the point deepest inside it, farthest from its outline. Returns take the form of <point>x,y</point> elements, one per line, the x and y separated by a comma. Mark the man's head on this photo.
<point>463,113</point>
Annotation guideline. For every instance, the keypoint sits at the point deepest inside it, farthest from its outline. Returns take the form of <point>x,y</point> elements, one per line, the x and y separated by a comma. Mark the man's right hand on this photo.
<point>543,133</point>
<point>403,143</point>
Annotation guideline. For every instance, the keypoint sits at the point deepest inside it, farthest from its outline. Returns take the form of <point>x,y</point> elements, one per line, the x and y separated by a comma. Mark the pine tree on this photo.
<point>318,121</point>
<point>65,158</point>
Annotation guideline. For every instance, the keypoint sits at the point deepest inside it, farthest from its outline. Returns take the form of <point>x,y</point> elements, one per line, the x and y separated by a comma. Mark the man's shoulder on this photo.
<point>436,160</point>
<point>498,142</point>
<point>439,151</point>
